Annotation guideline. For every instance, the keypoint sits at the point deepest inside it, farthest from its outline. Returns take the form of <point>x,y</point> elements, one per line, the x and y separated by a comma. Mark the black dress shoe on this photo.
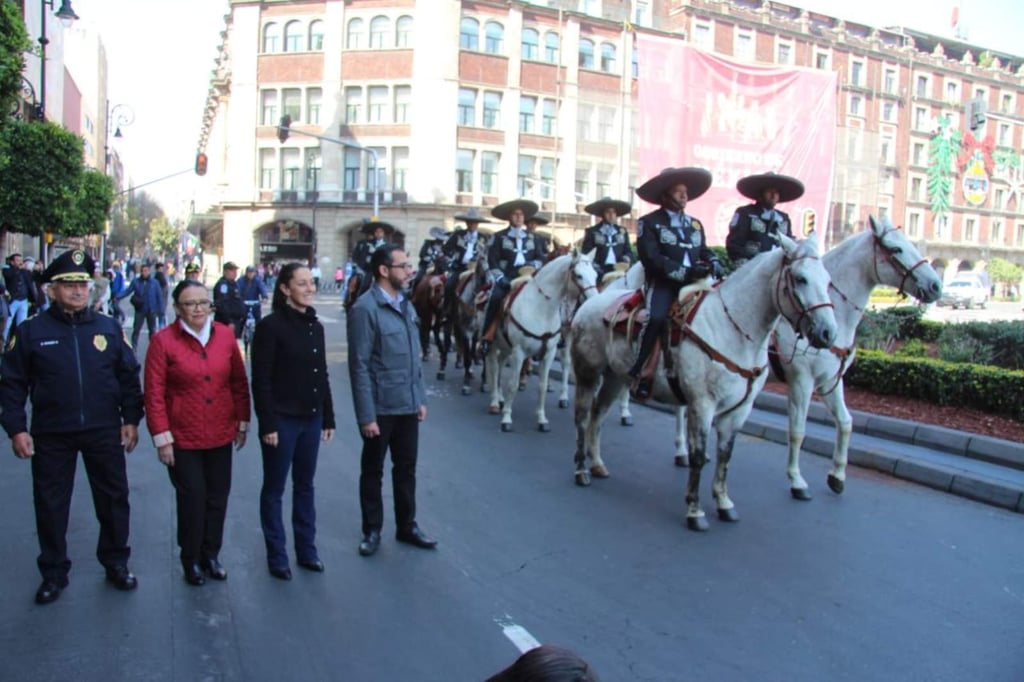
<point>370,543</point>
<point>281,572</point>
<point>122,578</point>
<point>214,569</point>
<point>315,565</point>
<point>50,590</point>
<point>193,573</point>
<point>414,536</point>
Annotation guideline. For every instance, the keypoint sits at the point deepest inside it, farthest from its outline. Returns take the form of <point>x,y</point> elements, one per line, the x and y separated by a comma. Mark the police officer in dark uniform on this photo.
<point>463,247</point>
<point>510,249</point>
<point>674,252</point>
<point>753,226</point>
<point>228,307</point>
<point>83,379</point>
<point>609,238</point>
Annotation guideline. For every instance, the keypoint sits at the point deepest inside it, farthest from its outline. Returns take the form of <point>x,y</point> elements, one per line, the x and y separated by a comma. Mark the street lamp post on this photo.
<point>118,116</point>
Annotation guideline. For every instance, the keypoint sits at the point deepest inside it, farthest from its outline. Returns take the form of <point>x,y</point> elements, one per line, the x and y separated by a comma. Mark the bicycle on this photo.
<point>249,328</point>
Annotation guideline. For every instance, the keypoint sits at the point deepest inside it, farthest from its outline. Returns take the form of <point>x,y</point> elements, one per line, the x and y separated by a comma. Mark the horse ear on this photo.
<point>877,226</point>
<point>590,255</point>
<point>788,245</point>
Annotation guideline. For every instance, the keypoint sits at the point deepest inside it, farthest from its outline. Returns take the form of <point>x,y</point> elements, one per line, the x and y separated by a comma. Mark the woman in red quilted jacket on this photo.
<point>197,407</point>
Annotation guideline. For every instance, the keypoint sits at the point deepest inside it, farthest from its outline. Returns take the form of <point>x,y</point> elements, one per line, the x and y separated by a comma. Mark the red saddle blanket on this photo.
<point>627,314</point>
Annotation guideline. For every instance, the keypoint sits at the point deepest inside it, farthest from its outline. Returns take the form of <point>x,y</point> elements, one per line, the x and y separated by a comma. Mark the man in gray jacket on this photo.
<point>388,395</point>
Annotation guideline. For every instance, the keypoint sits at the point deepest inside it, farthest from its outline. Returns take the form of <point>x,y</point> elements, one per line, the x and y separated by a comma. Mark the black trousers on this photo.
<point>499,290</point>
<point>53,479</point>
<point>140,317</point>
<point>659,300</point>
<point>400,434</point>
<point>202,481</point>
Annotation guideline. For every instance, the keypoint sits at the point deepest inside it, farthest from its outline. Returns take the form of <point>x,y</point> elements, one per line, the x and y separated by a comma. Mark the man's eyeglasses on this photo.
<point>405,266</point>
<point>194,305</point>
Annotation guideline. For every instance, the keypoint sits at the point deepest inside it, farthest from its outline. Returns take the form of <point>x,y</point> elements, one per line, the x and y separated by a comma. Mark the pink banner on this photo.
<point>735,119</point>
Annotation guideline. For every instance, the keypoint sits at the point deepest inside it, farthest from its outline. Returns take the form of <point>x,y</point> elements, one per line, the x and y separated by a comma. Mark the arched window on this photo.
<point>403,31</point>
<point>469,34</point>
<point>293,36</point>
<point>380,27</point>
<point>586,53</point>
<point>354,36</point>
<point>495,37</point>
<point>316,36</point>
<point>551,47</point>
<point>270,37</point>
<point>531,44</point>
<point>608,57</point>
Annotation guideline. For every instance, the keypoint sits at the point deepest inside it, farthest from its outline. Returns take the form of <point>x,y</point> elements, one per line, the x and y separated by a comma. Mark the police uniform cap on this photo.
<point>192,267</point>
<point>71,266</point>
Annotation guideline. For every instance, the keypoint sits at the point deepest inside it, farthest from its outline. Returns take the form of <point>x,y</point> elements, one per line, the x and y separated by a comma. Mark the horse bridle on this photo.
<point>889,256</point>
<point>785,286</point>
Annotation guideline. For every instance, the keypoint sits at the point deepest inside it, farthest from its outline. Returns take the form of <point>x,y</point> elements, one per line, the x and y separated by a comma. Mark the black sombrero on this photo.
<point>371,224</point>
<point>753,186</point>
<point>471,216</point>
<point>502,211</point>
<point>598,207</point>
<point>697,181</point>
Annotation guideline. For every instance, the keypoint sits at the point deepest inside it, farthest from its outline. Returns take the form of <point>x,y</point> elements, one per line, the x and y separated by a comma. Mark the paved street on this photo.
<point>890,581</point>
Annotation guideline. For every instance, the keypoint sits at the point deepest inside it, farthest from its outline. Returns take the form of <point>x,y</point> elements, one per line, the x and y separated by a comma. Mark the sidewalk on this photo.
<point>980,468</point>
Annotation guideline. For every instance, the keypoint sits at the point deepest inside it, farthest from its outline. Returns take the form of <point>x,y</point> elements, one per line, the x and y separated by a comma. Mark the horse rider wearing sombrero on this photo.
<point>542,240</point>
<point>431,254</point>
<point>463,247</point>
<point>378,233</point>
<point>511,249</point>
<point>753,227</point>
<point>609,238</point>
<point>673,249</point>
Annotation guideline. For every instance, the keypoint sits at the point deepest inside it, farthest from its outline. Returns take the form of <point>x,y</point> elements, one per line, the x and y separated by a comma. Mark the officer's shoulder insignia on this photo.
<point>695,224</point>
<point>100,342</point>
<point>223,288</point>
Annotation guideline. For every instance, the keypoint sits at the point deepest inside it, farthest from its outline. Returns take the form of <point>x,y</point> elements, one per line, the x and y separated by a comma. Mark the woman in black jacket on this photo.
<point>294,409</point>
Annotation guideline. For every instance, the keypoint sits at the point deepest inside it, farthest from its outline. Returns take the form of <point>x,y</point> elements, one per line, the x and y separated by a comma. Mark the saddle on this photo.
<point>628,313</point>
<point>480,300</point>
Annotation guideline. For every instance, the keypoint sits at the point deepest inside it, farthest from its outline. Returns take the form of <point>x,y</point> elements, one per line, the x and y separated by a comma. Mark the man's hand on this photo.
<point>421,413</point>
<point>240,440</point>
<point>129,437</point>
<point>24,446</point>
<point>717,269</point>
<point>370,430</point>
<point>327,435</point>
<point>701,270</point>
<point>270,439</point>
<point>166,454</point>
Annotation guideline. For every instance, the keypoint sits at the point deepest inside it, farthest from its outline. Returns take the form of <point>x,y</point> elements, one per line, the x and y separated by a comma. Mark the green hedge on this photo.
<point>990,389</point>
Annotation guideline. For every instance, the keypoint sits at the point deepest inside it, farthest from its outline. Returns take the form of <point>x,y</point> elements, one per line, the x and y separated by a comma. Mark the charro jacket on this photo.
<point>668,253</point>
<point>458,244</point>
<point>598,237</point>
<point>751,230</point>
<point>501,256</point>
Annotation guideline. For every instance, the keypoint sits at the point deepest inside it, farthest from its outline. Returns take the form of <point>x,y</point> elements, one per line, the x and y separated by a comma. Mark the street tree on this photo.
<point>164,237</point>
<point>130,227</point>
<point>14,43</point>
<point>91,206</point>
<point>1003,271</point>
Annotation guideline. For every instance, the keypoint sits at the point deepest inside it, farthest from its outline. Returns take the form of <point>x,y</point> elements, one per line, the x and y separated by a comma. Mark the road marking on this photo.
<point>518,635</point>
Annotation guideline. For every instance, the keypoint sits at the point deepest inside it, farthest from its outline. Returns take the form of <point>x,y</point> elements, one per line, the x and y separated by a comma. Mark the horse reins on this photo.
<point>546,336</point>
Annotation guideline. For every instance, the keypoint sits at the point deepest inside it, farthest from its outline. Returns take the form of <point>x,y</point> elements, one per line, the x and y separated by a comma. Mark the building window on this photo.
<point>606,125</point>
<point>889,81</point>
<point>489,172</point>
<point>316,36</point>
<point>531,44</point>
<point>583,182</point>
<point>380,28</point>
<point>607,57</point>
<point>354,36</point>
<point>527,110</point>
<point>702,34</point>
<point>921,86</point>
<point>291,103</point>
<point>379,100</point>
<point>1007,103</point>
<point>952,92</point>
<point>268,168</point>
<point>524,179</point>
<point>469,34</point>
<point>290,169</point>
<point>642,13</point>
<point>403,93</point>
<point>921,118</point>
<point>293,37</point>
<point>888,149</point>
<point>314,163</point>
<point>997,232</point>
<point>551,47</point>
<point>350,179</point>
<point>378,183</point>
<point>1004,135</point>
<point>744,45</point>
<point>857,73</point>
<point>400,166</point>
<point>981,93</point>
<point>467,107</point>
<point>353,105</point>
<point>603,186</point>
<point>856,105</point>
<point>547,178</point>
<point>914,225</point>
<point>821,61</point>
<point>268,105</point>
<point>403,31</point>
<point>464,170</point>
<point>917,155</point>
<point>495,37</point>
<point>969,230</point>
<point>635,65</point>
<point>547,121</point>
<point>1020,234</point>
<point>889,111</point>
<point>492,109</point>
<point>915,188</point>
<point>784,53</point>
<point>998,201</point>
<point>314,99</point>
<point>583,122</point>
<point>586,53</point>
<point>270,37</point>
<point>941,225</point>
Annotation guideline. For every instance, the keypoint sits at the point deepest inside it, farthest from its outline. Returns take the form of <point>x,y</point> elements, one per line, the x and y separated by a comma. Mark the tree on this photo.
<point>164,237</point>
<point>92,205</point>
<point>14,43</point>
<point>130,226</point>
<point>40,169</point>
<point>1003,271</point>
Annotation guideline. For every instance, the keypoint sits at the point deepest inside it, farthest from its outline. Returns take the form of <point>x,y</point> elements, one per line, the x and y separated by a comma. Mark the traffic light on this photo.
<point>809,222</point>
<point>975,113</point>
<point>284,128</point>
<point>201,162</point>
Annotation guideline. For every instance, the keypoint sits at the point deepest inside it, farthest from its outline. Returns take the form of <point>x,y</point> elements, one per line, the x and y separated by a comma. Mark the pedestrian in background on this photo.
<point>227,300</point>
<point>389,396</point>
<point>292,395</point>
<point>145,297</point>
<point>99,292</point>
<point>161,279</point>
<point>83,381</point>
<point>197,407</point>
<point>20,292</point>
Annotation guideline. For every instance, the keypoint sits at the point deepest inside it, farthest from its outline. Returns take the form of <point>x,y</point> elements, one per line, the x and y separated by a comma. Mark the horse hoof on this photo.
<point>466,390</point>
<point>697,523</point>
<point>682,461</point>
<point>522,385</point>
<point>801,494</point>
<point>440,376</point>
<point>728,515</point>
<point>626,421</point>
<point>599,471</point>
<point>836,484</point>
<point>563,403</point>
<point>582,479</point>
<point>493,409</point>
<point>506,428</point>
<point>544,428</point>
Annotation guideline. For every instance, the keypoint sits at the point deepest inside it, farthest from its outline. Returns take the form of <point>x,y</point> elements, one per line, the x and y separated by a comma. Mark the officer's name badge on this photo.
<point>100,342</point>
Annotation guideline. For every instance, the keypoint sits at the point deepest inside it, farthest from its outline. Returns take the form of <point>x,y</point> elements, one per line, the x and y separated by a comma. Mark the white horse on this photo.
<point>532,327</point>
<point>719,364</point>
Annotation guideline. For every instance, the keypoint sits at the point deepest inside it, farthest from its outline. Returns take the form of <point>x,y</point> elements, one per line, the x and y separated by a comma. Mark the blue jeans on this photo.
<point>17,312</point>
<point>298,443</point>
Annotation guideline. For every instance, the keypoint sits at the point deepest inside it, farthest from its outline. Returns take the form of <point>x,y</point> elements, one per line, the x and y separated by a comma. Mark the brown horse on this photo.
<point>428,300</point>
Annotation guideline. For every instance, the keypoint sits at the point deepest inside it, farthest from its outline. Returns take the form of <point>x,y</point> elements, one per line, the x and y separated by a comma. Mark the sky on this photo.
<point>160,55</point>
